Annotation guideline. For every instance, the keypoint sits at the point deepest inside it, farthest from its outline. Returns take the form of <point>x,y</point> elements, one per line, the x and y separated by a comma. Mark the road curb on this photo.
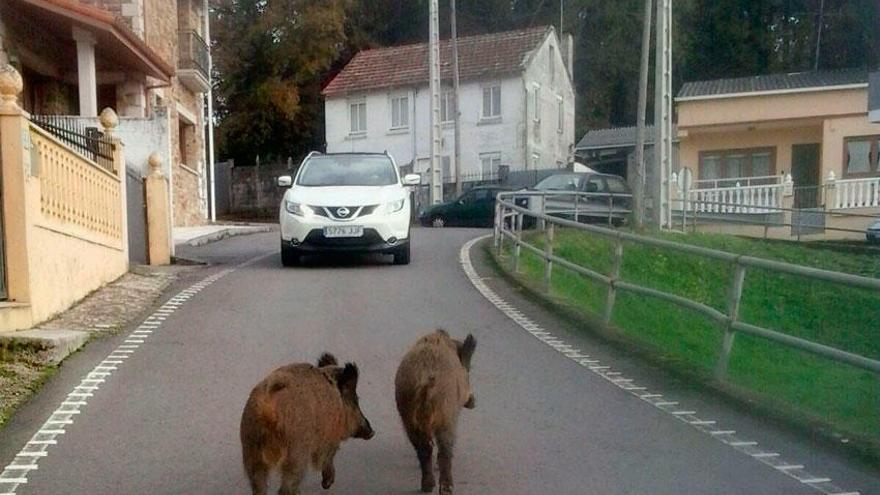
<point>231,231</point>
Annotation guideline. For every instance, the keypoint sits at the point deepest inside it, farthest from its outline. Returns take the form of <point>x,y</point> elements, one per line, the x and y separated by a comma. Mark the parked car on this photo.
<point>474,208</point>
<point>873,232</point>
<point>612,202</point>
<point>346,202</point>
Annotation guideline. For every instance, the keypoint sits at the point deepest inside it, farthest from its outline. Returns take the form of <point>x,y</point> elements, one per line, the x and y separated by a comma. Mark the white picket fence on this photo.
<point>736,198</point>
<point>855,193</point>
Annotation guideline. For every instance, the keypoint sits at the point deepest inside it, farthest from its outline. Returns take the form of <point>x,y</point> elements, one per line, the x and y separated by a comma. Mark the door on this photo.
<point>805,174</point>
<point>484,208</point>
<point>462,210</point>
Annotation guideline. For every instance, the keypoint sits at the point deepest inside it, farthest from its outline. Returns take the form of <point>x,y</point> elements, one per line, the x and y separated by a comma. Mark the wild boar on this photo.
<point>431,387</point>
<point>297,416</point>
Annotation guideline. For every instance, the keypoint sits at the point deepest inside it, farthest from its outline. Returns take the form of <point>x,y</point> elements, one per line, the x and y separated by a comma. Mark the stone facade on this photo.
<point>159,23</point>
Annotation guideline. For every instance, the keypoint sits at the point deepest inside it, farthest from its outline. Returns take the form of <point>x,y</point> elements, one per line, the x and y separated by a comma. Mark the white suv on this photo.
<point>346,202</point>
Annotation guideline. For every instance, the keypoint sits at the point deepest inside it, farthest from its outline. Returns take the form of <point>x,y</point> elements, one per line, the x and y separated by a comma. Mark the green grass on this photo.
<point>806,387</point>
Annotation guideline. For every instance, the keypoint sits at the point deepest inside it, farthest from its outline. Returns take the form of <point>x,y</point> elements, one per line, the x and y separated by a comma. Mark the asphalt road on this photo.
<point>166,421</point>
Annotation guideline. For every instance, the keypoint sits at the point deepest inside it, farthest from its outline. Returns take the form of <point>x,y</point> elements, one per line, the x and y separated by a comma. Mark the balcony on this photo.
<point>192,63</point>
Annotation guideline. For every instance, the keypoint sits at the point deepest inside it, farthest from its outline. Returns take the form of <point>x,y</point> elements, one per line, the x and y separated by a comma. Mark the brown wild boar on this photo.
<point>431,387</point>
<point>296,416</point>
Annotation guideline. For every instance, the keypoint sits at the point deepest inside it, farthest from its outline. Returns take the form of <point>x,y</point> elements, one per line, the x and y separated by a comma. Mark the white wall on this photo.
<point>503,136</point>
<point>141,137</point>
<point>552,146</point>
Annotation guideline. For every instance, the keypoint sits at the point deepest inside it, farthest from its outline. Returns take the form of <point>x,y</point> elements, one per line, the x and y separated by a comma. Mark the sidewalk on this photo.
<point>29,357</point>
<point>203,234</point>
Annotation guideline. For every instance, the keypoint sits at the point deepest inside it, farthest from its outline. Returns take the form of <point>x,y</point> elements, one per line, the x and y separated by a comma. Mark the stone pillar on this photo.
<point>132,97</point>
<point>86,72</point>
<point>158,214</point>
<point>14,135</point>
<point>109,121</point>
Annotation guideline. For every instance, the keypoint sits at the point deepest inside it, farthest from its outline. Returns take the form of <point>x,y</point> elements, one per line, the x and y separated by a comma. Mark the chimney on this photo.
<point>568,54</point>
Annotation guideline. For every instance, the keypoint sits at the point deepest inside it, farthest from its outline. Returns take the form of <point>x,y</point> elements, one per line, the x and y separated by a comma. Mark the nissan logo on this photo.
<point>342,212</point>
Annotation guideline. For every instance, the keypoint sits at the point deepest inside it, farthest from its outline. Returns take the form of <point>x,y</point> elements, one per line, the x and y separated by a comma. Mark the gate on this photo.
<point>3,294</point>
<point>136,210</point>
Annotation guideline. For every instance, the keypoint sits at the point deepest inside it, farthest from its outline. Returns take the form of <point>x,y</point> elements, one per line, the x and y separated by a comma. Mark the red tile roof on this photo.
<point>482,56</point>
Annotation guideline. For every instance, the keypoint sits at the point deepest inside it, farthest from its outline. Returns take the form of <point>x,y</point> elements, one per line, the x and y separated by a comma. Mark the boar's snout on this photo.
<point>365,429</point>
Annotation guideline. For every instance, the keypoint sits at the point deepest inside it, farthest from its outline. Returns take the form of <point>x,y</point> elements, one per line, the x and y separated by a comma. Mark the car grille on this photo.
<point>350,211</point>
<point>316,238</point>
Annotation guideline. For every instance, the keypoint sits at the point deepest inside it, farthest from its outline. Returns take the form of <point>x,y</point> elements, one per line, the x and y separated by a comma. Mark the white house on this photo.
<point>517,104</point>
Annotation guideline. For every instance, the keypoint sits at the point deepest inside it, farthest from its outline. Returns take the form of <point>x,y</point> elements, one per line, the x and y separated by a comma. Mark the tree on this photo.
<point>269,59</point>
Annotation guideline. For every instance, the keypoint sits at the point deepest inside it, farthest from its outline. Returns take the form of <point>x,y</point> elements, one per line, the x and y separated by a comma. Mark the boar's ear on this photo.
<point>466,350</point>
<point>348,378</point>
<point>327,359</point>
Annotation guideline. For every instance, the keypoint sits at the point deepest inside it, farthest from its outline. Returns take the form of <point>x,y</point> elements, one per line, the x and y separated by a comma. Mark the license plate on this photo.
<point>344,231</point>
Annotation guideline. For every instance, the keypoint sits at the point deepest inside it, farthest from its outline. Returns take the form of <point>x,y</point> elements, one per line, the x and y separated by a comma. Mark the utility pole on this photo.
<point>561,10</point>
<point>639,196</point>
<point>210,118</point>
<point>434,74</point>
<point>819,33</point>
<point>662,184</point>
<point>455,109</point>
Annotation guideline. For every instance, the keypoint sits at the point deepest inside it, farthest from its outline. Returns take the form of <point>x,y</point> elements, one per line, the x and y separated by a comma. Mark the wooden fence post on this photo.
<point>734,295</point>
<point>548,251</point>
<point>614,275</point>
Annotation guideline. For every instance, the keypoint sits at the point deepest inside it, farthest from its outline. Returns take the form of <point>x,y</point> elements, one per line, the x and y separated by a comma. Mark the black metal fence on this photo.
<point>89,142</point>
<point>193,52</point>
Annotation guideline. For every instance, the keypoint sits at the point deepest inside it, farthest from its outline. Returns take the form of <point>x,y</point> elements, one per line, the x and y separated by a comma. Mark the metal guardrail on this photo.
<point>89,142</point>
<point>508,225</point>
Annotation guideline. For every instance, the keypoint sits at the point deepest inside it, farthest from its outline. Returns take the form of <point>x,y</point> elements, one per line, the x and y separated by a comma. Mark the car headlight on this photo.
<point>395,206</point>
<point>297,209</point>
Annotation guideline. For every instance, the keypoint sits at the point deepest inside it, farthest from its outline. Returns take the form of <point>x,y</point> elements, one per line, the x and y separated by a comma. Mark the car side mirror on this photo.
<point>285,181</point>
<point>412,179</point>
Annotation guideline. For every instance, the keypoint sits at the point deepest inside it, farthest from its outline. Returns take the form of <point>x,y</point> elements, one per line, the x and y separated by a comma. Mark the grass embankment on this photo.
<point>844,399</point>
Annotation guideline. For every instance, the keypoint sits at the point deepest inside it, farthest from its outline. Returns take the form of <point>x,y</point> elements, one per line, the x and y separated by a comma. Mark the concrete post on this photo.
<point>109,121</point>
<point>13,136</point>
<point>86,72</point>
<point>158,215</point>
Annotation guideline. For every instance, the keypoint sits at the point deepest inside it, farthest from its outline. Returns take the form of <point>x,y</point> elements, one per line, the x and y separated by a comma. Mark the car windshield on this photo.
<point>348,170</point>
<point>559,182</point>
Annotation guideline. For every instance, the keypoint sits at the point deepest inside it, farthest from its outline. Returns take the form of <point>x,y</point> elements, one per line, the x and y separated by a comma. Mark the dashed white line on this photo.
<point>727,437</point>
<point>14,475</point>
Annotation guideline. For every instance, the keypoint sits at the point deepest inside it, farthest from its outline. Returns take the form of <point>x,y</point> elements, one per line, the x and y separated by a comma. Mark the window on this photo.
<point>560,115</point>
<point>537,96</point>
<point>616,186</point>
<point>358,111</point>
<point>399,112</point>
<point>536,160</point>
<point>489,163</point>
<point>552,64</point>
<point>736,164</point>
<point>447,169</point>
<point>447,106</point>
<point>861,156</point>
<point>342,170</point>
<point>492,102</point>
<point>595,185</point>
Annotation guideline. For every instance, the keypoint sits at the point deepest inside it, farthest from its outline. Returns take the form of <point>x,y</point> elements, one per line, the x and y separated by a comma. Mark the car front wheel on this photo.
<point>289,257</point>
<point>401,256</point>
<point>438,222</point>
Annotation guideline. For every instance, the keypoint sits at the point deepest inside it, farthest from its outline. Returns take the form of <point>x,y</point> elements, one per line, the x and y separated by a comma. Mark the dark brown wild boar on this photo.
<point>296,416</point>
<point>431,387</point>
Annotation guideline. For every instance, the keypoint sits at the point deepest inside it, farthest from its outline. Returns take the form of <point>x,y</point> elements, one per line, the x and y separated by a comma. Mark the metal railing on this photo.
<point>509,225</point>
<point>193,52</point>
<point>89,142</point>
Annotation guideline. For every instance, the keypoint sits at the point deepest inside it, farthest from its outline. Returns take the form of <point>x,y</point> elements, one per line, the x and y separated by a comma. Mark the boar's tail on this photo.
<point>264,405</point>
<point>425,408</point>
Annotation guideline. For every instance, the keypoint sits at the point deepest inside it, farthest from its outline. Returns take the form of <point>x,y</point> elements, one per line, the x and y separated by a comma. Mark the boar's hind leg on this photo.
<point>258,475</point>
<point>425,453</point>
<point>445,442</point>
<point>291,475</point>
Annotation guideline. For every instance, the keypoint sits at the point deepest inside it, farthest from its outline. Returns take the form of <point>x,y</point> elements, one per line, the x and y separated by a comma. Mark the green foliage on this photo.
<point>272,57</point>
<point>810,387</point>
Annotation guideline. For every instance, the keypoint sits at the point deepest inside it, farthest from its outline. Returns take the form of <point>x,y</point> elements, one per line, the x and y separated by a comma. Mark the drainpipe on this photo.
<point>210,120</point>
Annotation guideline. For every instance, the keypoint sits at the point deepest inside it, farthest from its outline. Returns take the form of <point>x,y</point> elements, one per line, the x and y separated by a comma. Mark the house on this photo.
<point>146,59</point>
<point>72,194</point>
<point>759,144</point>
<point>517,104</point>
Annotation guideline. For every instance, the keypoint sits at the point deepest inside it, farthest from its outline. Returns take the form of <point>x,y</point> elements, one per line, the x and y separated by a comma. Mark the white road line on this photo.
<point>63,415</point>
<point>767,458</point>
